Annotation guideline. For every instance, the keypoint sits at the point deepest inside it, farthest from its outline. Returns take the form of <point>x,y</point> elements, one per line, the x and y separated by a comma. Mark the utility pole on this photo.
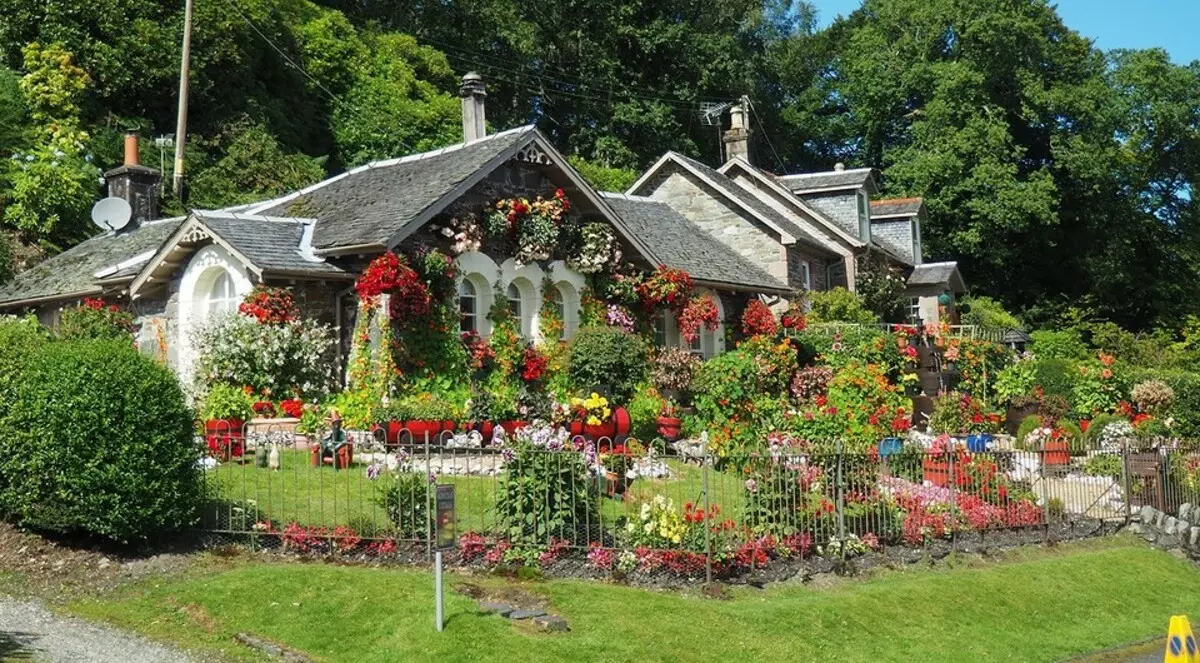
<point>181,124</point>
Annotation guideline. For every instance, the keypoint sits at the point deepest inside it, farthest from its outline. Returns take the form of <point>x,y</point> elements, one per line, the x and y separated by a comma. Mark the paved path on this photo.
<point>29,631</point>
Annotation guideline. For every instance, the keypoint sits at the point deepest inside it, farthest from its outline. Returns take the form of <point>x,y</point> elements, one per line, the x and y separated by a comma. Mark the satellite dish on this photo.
<point>112,213</point>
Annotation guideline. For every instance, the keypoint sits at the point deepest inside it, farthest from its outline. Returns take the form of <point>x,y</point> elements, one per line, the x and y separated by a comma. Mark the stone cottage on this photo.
<point>740,232</point>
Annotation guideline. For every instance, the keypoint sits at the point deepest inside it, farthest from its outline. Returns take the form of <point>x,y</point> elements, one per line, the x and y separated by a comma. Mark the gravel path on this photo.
<point>29,631</point>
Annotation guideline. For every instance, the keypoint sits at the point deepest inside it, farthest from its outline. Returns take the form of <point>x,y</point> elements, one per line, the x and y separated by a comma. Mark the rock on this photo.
<point>1147,514</point>
<point>527,614</point>
<point>104,563</point>
<point>1168,541</point>
<point>1135,528</point>
<point>1194,536</point>
<point>551,624</point>
<point>1185,510</point>
<point>502,609</point>
<point>1181,527</point>
<point>1168,524</point>
<point>1159,518</point>
<point>1149,534</point>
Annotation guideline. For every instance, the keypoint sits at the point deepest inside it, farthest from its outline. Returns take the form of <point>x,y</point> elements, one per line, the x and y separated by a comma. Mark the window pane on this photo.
<point>514,300</point>
<point>466,306</point>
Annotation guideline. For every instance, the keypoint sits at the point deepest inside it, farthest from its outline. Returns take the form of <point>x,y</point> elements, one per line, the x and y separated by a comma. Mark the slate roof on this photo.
<point>679,243</point>
<point>72,273</point>
<point>271,244</point>
<point>834,179</point>
<point>735,191</point>
<point>936,273</point>
<point>371,204</point>
<point>896,207</point>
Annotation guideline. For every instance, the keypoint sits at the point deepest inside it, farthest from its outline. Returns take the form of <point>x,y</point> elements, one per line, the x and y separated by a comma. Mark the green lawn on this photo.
<point>323,496</point>
<point>1041,605</point>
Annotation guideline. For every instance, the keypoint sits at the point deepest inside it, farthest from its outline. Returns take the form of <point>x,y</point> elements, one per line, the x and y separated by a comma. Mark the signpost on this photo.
<point>444,538</point>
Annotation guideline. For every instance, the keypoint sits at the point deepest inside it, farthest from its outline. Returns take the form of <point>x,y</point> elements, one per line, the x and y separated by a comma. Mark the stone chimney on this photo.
<point>737,139</point>
<point>473,95</point>
<point>137,184</point>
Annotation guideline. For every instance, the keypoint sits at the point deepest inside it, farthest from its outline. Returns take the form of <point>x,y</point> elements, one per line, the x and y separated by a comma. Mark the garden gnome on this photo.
<point>336,437</point>
<point>273,459</point>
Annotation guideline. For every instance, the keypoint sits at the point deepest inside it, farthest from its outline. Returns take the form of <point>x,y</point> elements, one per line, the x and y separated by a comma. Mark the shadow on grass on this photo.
<point>16,646</point>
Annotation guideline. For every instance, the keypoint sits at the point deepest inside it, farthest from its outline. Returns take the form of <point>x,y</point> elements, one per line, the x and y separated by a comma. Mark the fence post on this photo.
<point>707,526</point>
<point>953,486</point>
<point>841,507</point>
<point>429,516</point>
<point>1126,497</point>
<point>1045,491</point>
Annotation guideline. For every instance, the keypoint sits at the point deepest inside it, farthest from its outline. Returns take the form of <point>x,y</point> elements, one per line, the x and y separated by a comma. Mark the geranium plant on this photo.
<point>270,306</point>
<point>535,226</point>
<point>667,287</point>
<point>699,312</point>
<point>94,319</point>
<point>758,320</point>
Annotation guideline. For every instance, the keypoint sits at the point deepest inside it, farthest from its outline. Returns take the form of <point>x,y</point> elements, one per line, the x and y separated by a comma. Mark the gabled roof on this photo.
<point>893,207</point>
<point>84,269</point>
<point>938,273</point>
<point>680,243</point>
<point>268,246</point>
<point>833,180</point>
<point>371,205</point>
<point>787,229</point>
<point>787,194</point>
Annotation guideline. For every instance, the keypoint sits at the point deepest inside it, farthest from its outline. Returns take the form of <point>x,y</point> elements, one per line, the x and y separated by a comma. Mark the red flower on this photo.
<point>293,408</point>
<point>758,320</point>
<point>270,306</point>
<point>533,365</point>
<point>699,311</point>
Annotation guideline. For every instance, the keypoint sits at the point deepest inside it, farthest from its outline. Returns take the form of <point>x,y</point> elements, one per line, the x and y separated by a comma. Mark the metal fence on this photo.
<point>974,332</point>
<point>375,493</point>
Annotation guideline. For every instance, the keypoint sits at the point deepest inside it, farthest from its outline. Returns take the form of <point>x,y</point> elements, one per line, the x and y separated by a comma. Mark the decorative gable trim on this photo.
<point>172,255</point>
<point>791,197</point>
<point>534,149</point>
<point>785,238</point>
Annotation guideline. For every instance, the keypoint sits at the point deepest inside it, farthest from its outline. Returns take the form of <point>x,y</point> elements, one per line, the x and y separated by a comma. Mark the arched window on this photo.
<point>222,297</point>
<point>468,310</point>
<point>513,293</point>
<point>556,298</point>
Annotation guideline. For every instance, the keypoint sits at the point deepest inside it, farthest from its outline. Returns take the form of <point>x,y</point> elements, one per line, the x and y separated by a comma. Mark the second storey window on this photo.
<point>864,217</point>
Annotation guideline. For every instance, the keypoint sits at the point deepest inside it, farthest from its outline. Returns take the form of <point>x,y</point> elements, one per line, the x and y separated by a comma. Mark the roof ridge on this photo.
<point>628,196</point>
<point>894,201</point>
<point>220,214</point>
<point>821,173</point>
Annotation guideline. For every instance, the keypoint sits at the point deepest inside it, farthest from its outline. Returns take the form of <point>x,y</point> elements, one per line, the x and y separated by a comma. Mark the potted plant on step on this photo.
<point>225,412</point>
<point>669,423</point>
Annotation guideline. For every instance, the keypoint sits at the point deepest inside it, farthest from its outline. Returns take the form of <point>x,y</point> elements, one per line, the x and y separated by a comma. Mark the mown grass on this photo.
<point>325,497</point>
<point>1041,605</point>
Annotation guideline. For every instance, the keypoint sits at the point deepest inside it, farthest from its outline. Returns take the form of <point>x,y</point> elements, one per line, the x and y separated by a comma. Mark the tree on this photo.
<point>602,177</point>
<point>253,167</point>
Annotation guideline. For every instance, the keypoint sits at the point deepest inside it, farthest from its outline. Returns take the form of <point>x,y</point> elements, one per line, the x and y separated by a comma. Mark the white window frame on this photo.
<point>222,297</point>
<point>916,241</point>
<point>864,216</point>
<point>515,303</point>
<point>468,321</point>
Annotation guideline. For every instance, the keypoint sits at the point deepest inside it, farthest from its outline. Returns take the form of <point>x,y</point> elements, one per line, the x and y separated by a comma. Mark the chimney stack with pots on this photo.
<point>473,95</point>
<point>137,184</point>
<point>737,139</point>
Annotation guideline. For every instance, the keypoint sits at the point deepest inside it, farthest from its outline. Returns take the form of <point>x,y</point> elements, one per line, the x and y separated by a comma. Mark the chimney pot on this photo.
<point>737,139</point>
<point>473,94</point>
<point>131,148</point>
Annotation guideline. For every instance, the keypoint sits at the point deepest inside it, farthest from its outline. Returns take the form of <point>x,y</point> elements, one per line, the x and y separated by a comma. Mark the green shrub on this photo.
<point>1185,408</point>
<point>93,319</point>
<point>1015,382</point>
<point>277,359</point>
<point>838,305</point>
<point>1027,425</point>
<point>99,440</point>
<point>20,338</point>
<point>1065,344</point>
<point>987,312</point>
<point>605,356</point>
<point>546,490</point>
<point>1055,376</point>
<point>1091,437</point>
<point>644,409</point>
<point>225,401</point>
<point>407,499</point>
<point>1103,465</point>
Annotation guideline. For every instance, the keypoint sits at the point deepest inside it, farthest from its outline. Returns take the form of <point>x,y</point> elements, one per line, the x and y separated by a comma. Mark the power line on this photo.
<point>758,118</point>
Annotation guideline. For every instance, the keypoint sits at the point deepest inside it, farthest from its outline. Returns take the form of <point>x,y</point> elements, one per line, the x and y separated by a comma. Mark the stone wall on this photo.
<point>1168,531</point>
<point>817,268</point>
<point>721,219</point>
<point>841,207</point>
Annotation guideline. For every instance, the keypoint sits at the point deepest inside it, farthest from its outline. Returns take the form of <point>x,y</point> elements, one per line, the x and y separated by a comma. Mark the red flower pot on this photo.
<point>511,427</point>
<point>937,472</point>
<point>391,431</point>
<point>420,428</point>
<point>669,428</point>
<point>1056,453</point>
<point>486,428</point>
<point>226,437</point>
<point>449,426</point>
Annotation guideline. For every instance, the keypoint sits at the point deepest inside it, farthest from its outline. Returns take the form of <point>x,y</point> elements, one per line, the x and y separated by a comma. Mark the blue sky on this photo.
<point>1169,24</point>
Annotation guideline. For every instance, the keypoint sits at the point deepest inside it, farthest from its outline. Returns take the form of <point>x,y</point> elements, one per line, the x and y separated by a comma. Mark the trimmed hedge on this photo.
<point>98,440</point>
<point>605,356</point>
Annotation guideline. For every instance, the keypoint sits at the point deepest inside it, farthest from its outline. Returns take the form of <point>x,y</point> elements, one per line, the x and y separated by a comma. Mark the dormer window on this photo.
<point>916,241</point>
<point>864,216</point>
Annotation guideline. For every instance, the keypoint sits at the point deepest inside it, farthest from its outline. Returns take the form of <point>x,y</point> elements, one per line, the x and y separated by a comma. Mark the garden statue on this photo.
<point>273,459</point>
<point>333,445</point>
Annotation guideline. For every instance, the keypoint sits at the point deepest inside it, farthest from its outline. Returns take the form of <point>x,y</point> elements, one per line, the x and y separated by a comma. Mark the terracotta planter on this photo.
<point>669,428</point>
<point>485,428</point>
<point>391,431</point>
<point>511,427</point>
<point>937,472</point>
<point>1056,453</point>
<point>419,428</point>
<point>226,437</point>
<point>449,426</point>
